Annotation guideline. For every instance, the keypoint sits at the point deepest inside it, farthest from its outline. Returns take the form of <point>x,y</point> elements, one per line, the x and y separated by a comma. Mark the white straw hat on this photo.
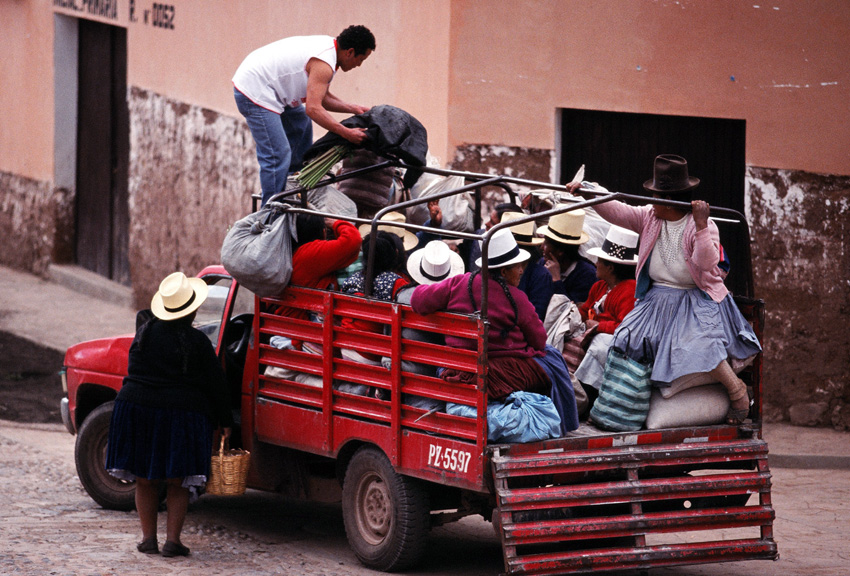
<point>525,233</point>
<point>408,238</point>
<point>620,246</point>
<point>178,296</point>
<point>566,228</point>
<point>503,251</point>
<point>434,263</point>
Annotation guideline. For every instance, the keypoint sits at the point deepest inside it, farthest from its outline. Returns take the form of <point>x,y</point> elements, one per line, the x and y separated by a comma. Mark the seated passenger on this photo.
<point>387,260</point>
<point>536,280</point>
<point>315,261</point>
<point>316,258</point>
<point>429,265</point>
<point>386,222</point>
<point>572,274</point>
<point>684,313</point>
<point>519,359</point>
<point>610,299</point>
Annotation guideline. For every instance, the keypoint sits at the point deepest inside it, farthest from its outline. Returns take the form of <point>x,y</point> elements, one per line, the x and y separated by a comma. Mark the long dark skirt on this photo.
<point>158,443</point>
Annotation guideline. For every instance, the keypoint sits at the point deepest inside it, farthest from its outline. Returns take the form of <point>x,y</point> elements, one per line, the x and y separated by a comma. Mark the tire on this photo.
<point>386,515</point>
<point>90,458</point>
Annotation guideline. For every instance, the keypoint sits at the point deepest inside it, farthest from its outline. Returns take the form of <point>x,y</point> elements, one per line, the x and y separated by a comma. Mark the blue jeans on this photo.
<point>281,141</point>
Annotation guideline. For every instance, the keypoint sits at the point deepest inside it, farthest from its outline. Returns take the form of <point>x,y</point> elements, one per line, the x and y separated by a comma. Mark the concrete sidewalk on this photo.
<point>58,315</point>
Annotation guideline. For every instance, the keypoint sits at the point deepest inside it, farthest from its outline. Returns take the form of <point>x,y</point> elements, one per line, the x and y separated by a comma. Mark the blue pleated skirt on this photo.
<point>158,443</point>
<point>684,332</point>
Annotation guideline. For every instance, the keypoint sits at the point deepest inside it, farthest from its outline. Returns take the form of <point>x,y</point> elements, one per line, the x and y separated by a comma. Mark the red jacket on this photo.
<point>314,264</point>
<point>619,302</point>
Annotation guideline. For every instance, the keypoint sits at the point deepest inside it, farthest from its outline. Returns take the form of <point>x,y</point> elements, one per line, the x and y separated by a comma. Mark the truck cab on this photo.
<point>591,501</point>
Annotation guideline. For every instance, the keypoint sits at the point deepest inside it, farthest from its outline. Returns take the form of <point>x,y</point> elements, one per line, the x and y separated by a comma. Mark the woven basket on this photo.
<point>228,471</point>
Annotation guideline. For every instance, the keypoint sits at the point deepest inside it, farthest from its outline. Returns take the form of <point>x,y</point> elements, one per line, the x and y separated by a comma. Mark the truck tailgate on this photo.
<point>573,508</point>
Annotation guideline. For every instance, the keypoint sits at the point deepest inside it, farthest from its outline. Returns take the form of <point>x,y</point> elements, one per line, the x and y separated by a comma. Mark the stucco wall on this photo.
<point>36,221</point>
<point>800,224</point>
<point>192,173</point>
<point>778,65</point>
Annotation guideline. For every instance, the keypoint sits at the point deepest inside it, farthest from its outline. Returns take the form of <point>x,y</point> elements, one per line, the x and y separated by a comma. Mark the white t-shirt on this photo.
<point>275,75</point>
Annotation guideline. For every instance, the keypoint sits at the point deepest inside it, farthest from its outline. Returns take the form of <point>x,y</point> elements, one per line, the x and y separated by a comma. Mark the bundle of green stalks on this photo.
<point>317,168</point>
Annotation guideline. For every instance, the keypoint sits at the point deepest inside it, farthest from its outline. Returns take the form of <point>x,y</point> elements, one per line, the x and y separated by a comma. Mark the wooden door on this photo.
<point>102,212</point>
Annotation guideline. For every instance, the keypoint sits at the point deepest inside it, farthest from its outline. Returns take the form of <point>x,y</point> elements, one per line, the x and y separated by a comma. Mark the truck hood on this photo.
<point>105,355</point>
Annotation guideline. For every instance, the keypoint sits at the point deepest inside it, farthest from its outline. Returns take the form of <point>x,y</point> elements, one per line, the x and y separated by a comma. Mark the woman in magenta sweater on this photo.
<point>518,356</point>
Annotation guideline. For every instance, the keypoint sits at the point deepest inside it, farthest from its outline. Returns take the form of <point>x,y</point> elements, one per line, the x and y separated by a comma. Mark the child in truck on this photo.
<point>684,315</point>
<point>386,262</point>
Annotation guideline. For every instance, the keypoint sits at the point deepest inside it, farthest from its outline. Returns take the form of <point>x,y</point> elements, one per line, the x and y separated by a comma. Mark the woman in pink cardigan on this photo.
<point>685,320</point>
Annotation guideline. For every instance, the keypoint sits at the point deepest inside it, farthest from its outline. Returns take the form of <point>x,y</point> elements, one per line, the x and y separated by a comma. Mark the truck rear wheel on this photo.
<point>90,458</point>
<point>386,515</point>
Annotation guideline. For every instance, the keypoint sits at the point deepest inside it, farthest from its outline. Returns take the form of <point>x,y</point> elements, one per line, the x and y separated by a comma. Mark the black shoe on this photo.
<point>148,546</point>
<point>171,549</point>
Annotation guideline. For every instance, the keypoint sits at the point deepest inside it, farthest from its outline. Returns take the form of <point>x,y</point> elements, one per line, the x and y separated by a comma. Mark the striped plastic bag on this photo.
<point>623,401</point>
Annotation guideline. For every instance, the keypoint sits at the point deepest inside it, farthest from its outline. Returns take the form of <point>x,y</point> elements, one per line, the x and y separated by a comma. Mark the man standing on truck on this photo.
<point>283,87</point>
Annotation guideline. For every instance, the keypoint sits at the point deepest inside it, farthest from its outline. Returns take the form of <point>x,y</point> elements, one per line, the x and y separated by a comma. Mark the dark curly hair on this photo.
<point>358,37</point>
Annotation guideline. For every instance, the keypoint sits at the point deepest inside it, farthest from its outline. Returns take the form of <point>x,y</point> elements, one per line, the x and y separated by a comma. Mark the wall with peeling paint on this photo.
<point>800,224</point>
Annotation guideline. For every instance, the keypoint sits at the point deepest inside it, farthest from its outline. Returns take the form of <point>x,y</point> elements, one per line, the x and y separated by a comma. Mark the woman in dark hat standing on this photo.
<point>680,290</point>
<point>174,396</point>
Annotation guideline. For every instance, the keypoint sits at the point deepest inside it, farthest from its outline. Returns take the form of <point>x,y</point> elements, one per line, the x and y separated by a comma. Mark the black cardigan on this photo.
<point>175,366</point>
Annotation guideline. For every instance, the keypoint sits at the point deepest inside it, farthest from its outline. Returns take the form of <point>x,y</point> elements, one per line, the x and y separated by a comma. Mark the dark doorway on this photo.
<point>618,150</point>
<point>103,143</point>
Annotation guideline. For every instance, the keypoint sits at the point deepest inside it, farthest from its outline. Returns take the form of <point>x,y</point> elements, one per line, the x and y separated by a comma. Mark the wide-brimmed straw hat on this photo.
<point>434,263</point>
<point>566,228</point>
<point>620,246</point>
<point>670,176</point>
<point>178,296</point>
<point>525,233</point>
<point>503,251</point>
<point>408,238</point>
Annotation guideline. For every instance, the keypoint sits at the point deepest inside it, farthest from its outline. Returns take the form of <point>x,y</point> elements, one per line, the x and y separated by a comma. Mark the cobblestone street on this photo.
<point>51,527</point>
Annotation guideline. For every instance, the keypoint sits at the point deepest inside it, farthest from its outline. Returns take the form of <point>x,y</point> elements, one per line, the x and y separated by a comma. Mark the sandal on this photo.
<point>148,546</point>
<point>171,549</point>
<point>736,416</point>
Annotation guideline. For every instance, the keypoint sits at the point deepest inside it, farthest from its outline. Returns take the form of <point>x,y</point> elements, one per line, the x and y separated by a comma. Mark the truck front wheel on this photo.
<point>90,458</point>
<point>386,515</point>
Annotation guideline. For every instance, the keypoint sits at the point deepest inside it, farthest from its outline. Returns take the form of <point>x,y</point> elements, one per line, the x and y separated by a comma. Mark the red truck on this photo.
<point>590,502</point>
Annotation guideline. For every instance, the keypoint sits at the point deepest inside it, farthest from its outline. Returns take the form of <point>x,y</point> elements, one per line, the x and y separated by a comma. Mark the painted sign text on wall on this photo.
<point>102,8</point>
<point>158,15</point>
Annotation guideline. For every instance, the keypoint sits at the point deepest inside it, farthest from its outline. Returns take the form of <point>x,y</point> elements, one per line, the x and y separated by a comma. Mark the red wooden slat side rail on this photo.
<point>416,440</point>
<point>618,492</point>
<point>618,526</point>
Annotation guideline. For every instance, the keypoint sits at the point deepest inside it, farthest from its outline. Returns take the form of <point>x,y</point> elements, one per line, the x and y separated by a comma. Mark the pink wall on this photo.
<point>515,63</point>
<point>26,96</point>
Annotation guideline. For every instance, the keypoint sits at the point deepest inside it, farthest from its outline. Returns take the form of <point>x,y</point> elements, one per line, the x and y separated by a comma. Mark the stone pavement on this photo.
<point>811,466</point>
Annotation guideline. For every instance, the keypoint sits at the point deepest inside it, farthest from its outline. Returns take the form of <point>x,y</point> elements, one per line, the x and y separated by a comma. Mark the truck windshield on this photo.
<point>208,319</point>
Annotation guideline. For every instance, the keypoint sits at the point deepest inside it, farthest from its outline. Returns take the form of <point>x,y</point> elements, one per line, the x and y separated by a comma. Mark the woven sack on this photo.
<point>228,471</point>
